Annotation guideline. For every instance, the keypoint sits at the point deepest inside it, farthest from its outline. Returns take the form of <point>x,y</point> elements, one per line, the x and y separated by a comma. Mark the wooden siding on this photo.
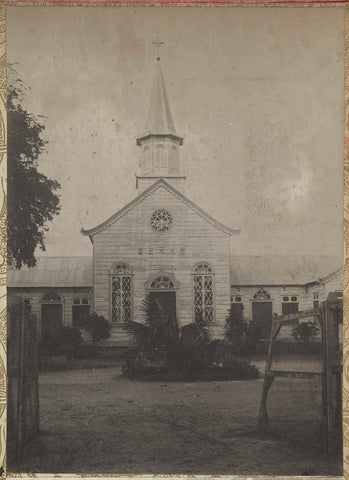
<point>190,240</point>
<point>37,294</point>
<point>305,298</point>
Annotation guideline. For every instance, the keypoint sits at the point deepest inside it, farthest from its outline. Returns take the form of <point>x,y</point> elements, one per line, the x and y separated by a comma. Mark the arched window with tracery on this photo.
<point>121,294</point>
<point>160,158</point>
<point>203,293</point>
<point>162,283</point>
<point>52,297</point>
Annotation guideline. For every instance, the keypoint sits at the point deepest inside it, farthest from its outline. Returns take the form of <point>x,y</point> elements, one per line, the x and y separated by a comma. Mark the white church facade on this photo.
<point>163,245</point>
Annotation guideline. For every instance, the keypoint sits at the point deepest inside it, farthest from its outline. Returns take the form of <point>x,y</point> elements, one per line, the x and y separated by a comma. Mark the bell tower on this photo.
<point>159,143</point>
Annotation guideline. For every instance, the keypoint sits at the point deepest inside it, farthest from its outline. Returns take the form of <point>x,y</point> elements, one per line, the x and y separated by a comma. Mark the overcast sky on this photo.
<point>257,94</point>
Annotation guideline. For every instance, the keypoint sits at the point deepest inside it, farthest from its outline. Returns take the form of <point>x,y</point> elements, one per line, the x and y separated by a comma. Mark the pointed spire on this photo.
<point>159,156</point>
<point>160,120</point>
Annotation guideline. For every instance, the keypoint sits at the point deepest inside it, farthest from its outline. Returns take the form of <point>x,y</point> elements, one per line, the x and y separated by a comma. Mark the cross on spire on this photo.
<point>158,43</point>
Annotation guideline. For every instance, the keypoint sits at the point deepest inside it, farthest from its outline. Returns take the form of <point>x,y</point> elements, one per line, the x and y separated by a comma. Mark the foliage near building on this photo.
<point>305,332</point>
<point>32,198</point>
<point>242,337</point>
<point>65,342</point>
<point>98,327</point>
<point>165,351</point>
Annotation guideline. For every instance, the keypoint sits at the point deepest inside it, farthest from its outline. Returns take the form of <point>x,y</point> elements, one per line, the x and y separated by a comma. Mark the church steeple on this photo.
<point>160,120</point>
<point>160,142</point>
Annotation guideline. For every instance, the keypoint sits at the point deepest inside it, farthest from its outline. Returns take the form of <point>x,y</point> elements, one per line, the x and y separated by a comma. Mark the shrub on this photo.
<point>98,327</point>
<point>235,327</point>
<point>240,368</point>
<point>191,351</point>
<point>65,342</point>
<point>305,331</point>
<point>242,336</point>
<point>218,351</point>
<point>253,336</point>
<point>163,351</point>
<point>139,368</point>
<point>134,364</point>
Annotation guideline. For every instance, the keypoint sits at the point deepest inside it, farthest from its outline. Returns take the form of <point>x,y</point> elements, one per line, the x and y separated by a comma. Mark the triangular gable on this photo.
<point>160,183</point>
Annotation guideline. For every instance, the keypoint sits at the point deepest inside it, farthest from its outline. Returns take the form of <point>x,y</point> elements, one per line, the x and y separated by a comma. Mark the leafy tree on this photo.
<point>32,201</point>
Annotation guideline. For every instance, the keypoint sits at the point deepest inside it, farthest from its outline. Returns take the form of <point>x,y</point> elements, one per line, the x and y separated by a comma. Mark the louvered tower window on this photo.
<point>203,293</point>
<point>121,294</point>
<point>160,158</point>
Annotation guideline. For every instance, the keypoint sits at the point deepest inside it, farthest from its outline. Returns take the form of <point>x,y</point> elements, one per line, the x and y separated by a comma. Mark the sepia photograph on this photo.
<point>175,240</point>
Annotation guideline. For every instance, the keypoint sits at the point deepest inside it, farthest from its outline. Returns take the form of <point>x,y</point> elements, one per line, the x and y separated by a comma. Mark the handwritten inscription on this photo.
<point>161,251</point>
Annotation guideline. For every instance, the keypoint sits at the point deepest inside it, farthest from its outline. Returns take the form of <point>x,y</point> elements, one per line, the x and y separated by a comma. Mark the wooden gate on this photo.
<point>23,378</point>
<point>329,316</point>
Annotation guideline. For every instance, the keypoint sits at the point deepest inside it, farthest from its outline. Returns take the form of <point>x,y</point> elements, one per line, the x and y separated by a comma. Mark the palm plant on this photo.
<point>159,336</point>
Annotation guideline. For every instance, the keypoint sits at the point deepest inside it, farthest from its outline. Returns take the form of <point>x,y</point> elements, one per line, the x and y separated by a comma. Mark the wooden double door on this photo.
<point>167,300</point>
<point>51,320</point>
<point>262,314</point>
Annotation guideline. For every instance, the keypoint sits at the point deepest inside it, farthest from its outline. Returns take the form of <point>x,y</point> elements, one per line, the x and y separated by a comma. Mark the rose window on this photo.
<point>161,220</point>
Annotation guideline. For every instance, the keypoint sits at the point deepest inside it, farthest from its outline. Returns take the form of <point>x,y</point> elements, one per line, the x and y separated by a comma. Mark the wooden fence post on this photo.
<point>332,373</point>
<point>263,420</point>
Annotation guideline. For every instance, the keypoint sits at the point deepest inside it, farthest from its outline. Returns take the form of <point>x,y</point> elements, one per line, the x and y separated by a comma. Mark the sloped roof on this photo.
<point>54,272</point>
<point>160,183</point>
<point>160,120</point>
<point>245,270</point>
<point>281,269</point>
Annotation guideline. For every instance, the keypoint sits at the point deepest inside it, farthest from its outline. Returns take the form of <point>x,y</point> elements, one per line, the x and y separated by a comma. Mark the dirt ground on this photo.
<point>93,421</point>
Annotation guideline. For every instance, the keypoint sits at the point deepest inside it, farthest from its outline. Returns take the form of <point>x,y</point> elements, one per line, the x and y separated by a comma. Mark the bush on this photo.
<point>190,353</point>
<point>218,351</point>
<point>242,336</point>
<point>253,336</point>
<point>65,342</point>
<point>98,327</point>
<point>139,367</point>
<point>134,364</point>
<point>164,351</point>
<point>305,331</point>
<point>235,329</point>
<point>240,368</point>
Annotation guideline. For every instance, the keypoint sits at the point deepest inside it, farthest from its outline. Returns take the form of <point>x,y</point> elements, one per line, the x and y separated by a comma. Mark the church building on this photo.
<point>161,243</point>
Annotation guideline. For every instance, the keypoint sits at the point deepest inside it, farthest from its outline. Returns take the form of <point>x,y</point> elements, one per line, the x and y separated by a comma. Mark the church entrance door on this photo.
<point>167,300</point>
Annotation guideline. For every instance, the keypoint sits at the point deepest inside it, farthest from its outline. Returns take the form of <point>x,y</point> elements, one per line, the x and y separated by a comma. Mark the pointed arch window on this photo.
<point>160,159</point>
<point>121,294</point>
<point>203,293</point>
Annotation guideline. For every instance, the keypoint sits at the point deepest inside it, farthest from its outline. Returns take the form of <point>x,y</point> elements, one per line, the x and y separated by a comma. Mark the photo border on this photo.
<point>3,216</point>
